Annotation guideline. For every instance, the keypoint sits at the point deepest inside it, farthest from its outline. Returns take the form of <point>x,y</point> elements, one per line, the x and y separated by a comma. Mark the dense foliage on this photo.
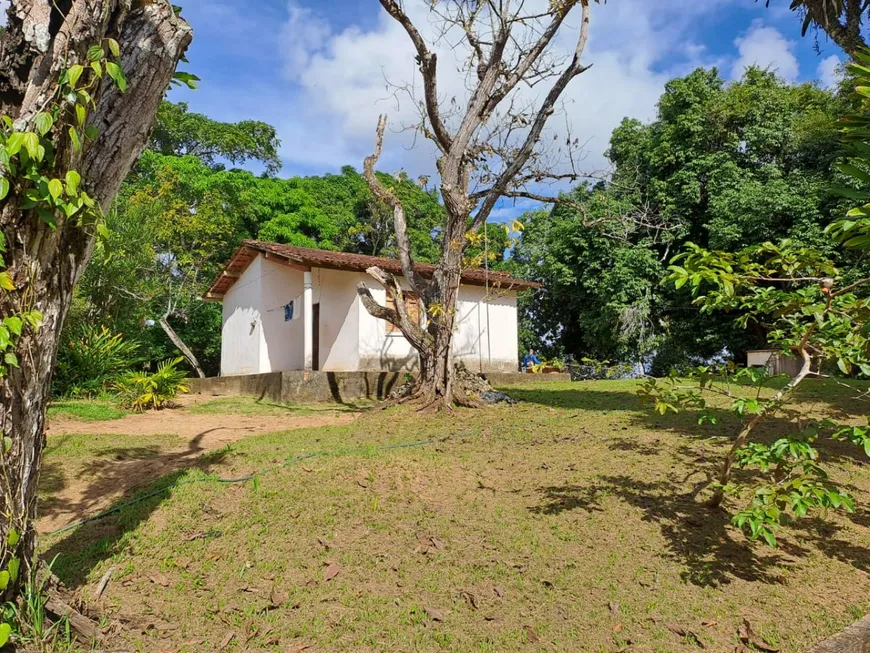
<point>725,166</point>
<point>182,213</point>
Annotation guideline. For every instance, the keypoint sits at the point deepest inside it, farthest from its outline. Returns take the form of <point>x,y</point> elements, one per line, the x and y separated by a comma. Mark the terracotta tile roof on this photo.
<point>304,257</point>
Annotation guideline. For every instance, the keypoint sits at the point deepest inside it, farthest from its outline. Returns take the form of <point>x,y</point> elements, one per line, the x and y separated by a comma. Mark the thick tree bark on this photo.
<point>184,349</point>
<point>42,40</point>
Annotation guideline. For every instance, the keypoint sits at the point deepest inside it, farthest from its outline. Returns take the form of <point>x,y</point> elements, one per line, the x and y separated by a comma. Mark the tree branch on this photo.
<point>428,69</point>
<point>574,68</point>
<point>403,243</point>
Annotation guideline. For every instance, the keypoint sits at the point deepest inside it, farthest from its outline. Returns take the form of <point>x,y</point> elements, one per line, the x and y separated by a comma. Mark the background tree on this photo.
<point>180,216</point>
<point>69,137</point>
<point>488,148</point>
<point>723,166</point>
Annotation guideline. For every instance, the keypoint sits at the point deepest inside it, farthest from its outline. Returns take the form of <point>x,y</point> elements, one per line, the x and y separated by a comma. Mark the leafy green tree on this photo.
<point>723,166</point>
<point>179,132</point>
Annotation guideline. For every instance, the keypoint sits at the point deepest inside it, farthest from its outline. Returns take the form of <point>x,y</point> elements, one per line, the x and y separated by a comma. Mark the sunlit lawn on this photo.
<point>566,523</point>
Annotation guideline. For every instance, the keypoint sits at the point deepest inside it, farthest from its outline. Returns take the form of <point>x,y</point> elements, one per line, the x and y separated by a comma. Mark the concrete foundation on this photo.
<point>341,387</point>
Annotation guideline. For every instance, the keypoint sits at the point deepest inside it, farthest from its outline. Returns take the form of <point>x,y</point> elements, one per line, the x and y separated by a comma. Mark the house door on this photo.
<point>315,337</point>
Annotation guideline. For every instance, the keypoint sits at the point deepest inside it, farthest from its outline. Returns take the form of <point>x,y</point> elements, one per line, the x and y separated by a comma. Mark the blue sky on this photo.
<point>316,69</point>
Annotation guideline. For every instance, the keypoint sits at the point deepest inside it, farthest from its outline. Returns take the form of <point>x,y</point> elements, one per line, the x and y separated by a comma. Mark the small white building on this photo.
<point>293,308</point>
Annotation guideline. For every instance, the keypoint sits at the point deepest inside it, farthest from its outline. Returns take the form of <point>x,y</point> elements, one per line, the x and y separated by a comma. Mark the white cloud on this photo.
<point>343,86</point>
<point>765,47</point>
<point>828,72</point>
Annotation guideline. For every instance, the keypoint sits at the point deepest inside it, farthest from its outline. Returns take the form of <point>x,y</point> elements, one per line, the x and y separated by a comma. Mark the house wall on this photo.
<point>257,340</point>
<point>335,291</point>
<point>242,334</point>
<point>282,347</point>
<point>485,340</point>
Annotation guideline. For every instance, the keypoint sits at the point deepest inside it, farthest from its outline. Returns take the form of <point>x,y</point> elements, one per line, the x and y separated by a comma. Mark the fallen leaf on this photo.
<point>470,598</point>
<point>438,544</point>
<point>324,543</point>
<point>230,636</point>
<point>298,648</point>
<point>748,637</point>
<point>683,632</point>
<point>307,469</point>
<point>708,623</point>
<point>613,606</point>
<point>434,614</point>
<point>531,635</point>
<point>499,591</point>
<point>617,628</point>
<point>294,515</point>
<point>363,483</point>
<point>331,572</point>
<point>278,597</point>
<point>159,579</point>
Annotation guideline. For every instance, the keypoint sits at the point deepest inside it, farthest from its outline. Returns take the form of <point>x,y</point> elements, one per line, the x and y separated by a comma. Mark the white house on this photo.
<point>294,308</point>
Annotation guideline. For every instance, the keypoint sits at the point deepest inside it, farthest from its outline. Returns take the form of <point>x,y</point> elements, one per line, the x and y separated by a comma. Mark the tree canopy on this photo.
<point>725,166</point>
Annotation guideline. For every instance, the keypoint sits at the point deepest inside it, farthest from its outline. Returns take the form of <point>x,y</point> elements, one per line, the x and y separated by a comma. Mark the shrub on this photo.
<point>142,391</point>
<point>92,361</point>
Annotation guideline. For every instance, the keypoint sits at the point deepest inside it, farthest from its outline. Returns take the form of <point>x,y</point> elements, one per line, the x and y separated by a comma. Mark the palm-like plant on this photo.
<point>841,20</point>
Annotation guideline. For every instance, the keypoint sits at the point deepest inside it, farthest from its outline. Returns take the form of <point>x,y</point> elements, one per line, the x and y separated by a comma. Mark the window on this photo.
<point>412,304</point>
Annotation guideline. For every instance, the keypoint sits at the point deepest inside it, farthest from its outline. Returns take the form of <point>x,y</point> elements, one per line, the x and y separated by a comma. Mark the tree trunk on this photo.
<point>40,43</point>
<point>184,349</point>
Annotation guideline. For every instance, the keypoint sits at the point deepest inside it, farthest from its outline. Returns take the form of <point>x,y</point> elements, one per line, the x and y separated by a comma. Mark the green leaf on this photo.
<point>92,133</point>
<point>6,281</point>
<point>48,217</point>
<point>44,123</point>
<point>95,53</point>
<point>186,79</point>
<point>31,144</point>
<point>76,141</point>
<point>55,188</point>
<point>11,359</point>
<point>115,72</point>
<point>14,143</point>
<point>81,114</point>
<point>114,48</point>
<point>7,443</point>
<point>4,188</point>
<point>844,366</point>
<point>4,580</point>
<point>14,566</point>
<point>14,324</point>
<point>73,74</point>
<point>854,172</point>
<point>5,632</point>
<point>98,69</point>
<point>12,537</point>
<point>73,179</point>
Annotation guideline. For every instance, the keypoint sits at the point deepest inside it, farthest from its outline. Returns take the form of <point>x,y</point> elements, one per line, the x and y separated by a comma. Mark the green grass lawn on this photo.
<point>566,523</point>
<point>86,410</point>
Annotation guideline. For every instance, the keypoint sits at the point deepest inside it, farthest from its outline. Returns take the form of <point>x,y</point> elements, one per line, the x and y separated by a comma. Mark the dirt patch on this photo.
<point>130,463</point>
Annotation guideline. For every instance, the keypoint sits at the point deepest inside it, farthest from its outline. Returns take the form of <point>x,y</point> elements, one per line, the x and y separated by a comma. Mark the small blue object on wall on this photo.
<point>288,312</point>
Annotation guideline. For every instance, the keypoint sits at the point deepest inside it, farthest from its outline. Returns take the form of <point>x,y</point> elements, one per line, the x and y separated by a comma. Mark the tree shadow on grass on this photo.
<point>141,477</point>
<point>702,541</point>
<point>639,413</point>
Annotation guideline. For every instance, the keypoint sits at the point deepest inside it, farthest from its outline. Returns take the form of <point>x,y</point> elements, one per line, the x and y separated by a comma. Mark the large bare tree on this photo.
<point>489,146</point>
<point>80,84</point>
